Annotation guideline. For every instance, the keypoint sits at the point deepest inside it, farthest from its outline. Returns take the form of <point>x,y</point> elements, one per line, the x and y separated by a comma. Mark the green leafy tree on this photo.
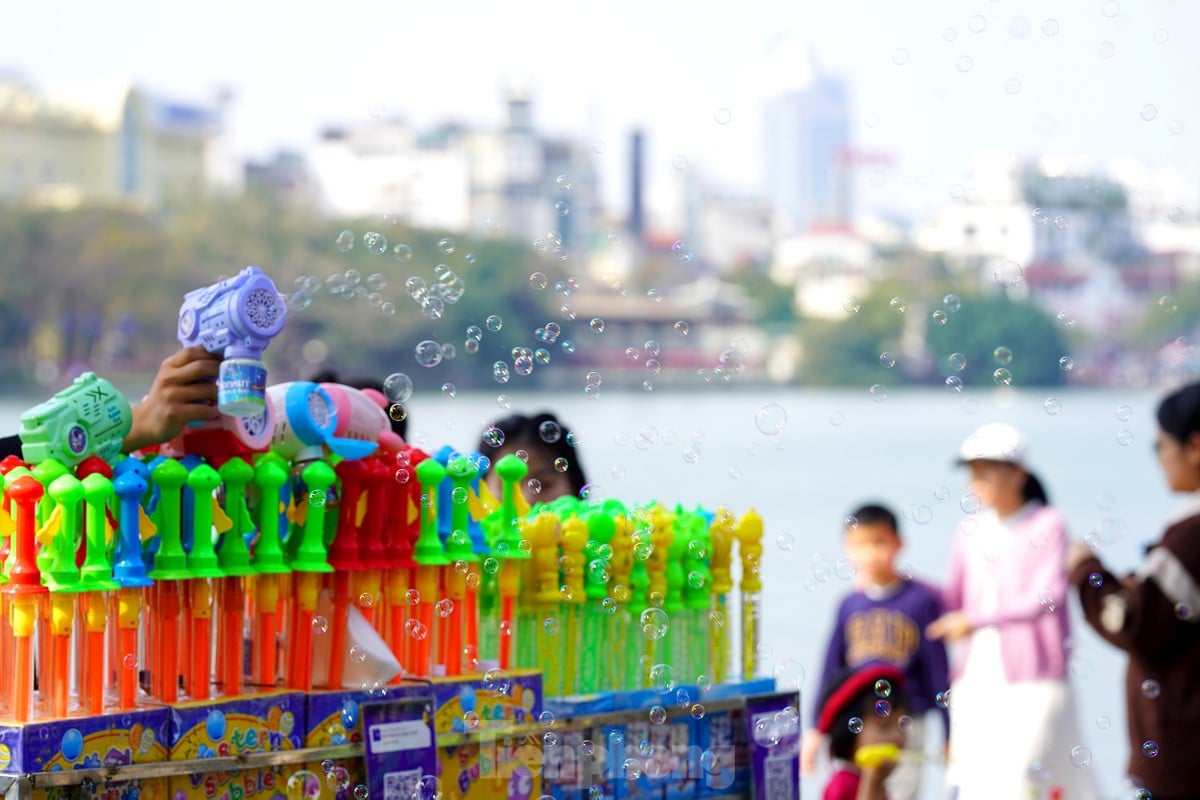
<point>995,332</point>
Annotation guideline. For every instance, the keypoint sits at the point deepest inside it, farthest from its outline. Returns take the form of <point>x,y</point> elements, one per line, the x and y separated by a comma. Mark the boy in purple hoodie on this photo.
<point>884,621</point>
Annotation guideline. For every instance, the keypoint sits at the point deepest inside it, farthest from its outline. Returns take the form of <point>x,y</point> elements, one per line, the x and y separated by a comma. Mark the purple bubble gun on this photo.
<point>236,317</point>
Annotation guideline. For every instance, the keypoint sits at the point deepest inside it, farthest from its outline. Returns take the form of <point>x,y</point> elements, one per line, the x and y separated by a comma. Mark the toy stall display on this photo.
<point>251,586</point>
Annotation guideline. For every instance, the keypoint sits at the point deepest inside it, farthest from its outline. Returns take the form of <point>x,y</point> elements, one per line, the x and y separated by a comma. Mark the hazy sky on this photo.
<point>599,69</point>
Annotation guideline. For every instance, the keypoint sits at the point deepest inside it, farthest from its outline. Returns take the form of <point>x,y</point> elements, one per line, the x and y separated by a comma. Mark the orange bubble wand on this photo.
<point>308,565</point>
<point>203,480</point>
<point>23,590</point>
<point>59,537</point>
<point>130,572</point>
<point>372,553</point>
<point>234,558</point>
<point>403,527</point>
<point>430,556</point>
<point>343,557</point>
<point>462,555</point>
<point>511,470</point>
<point>96,578</point>
<point>270,475</point>
<point>169,573</point>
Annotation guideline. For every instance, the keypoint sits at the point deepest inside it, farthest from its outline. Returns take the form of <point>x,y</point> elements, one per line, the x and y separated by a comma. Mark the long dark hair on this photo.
<point>1034,490</point>
<point>1179,413</point>
<point>521,431</point>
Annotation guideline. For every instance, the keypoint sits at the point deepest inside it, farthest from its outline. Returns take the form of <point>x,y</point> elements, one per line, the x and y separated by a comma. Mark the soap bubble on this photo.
<point>1080,756</point>
<point>320,625</point>
<point>1052,406</point>
<point>398,387</point>
<point>358,654</point>
<point>1150,748</point>
<point>496,681</point>
<point>1150,689</point>
<point>957,361</point>
<point>303,785</point>
<point>855,725</point>
<point>376,243</point>
<point>1009,274</point>
<point>655,623</point>
<point>428,353</point>
<point>887,360</point>
<point>345,241</point>
<point>662,678</point>
<point>722,116</point>
<point>770,419</point>
<point>878,393</point>
<point>494,323</point>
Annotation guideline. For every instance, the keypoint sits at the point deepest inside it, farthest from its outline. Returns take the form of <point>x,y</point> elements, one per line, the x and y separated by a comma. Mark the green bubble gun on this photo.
<point>89,417</point>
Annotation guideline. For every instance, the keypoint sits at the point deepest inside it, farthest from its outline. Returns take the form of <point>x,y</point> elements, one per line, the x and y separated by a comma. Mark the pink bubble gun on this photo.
<point>236,317</point>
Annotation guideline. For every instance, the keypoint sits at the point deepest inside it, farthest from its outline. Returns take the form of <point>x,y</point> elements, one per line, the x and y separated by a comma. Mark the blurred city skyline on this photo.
<point>929,85</point>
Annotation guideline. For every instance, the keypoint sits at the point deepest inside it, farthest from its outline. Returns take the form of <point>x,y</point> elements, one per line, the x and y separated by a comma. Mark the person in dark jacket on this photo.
<point>1154,616</point>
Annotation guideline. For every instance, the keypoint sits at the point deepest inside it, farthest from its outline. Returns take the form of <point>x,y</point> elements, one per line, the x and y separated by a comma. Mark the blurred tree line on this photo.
<point>100,288</point>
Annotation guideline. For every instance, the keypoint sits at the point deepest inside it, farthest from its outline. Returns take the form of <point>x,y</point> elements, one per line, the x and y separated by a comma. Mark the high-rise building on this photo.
<point>808,171</point>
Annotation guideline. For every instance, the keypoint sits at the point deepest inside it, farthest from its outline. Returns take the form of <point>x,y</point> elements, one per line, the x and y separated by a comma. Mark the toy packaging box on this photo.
<point>500,768</point>
<point>261,723</point>
<point>575,761</point>
<point>128,737</point>
<point>117,739</point>
<point>336,718</point>
<point>665,751</point>
<point>399,757</point>
<point>723,740</point>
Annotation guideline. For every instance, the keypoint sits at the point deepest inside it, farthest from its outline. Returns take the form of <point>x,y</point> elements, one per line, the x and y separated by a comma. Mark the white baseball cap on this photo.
<point>995,441</point>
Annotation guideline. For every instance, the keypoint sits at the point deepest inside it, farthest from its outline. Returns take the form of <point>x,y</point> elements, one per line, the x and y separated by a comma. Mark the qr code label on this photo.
<point>779,777</point>
<point>401,785</point>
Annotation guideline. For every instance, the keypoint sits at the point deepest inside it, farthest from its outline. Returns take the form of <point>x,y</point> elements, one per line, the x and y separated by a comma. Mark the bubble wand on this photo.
<point>662,534</point>
<point>96,578</point>
<point>130,573</point>
<point>541,529</point>
<point>638,661</point>
<point>404,528</point>
<point>203,480</point>
<point>343,557</point>
<point>461,554</point>
<point>574,535</point>
<point>697,580</point>
<point>46,471</point>
<point>430,557</point>
<point>372,552</point>
<point>721,533</point>
<point>601,527</point>
<point>511,470</point>
<point>62,577</point>
<point>675,642</point>
<point>11,468</point>
<point>170,576</point>
<point>270,476</point>
<point>620,594</point>
<point>234,559</point>
<point>23,591</point>
<point>308,565</point>
<point>749,533</point>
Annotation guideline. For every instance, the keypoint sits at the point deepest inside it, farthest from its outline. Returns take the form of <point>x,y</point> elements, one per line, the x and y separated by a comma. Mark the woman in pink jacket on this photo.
<point>1012,715</point>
